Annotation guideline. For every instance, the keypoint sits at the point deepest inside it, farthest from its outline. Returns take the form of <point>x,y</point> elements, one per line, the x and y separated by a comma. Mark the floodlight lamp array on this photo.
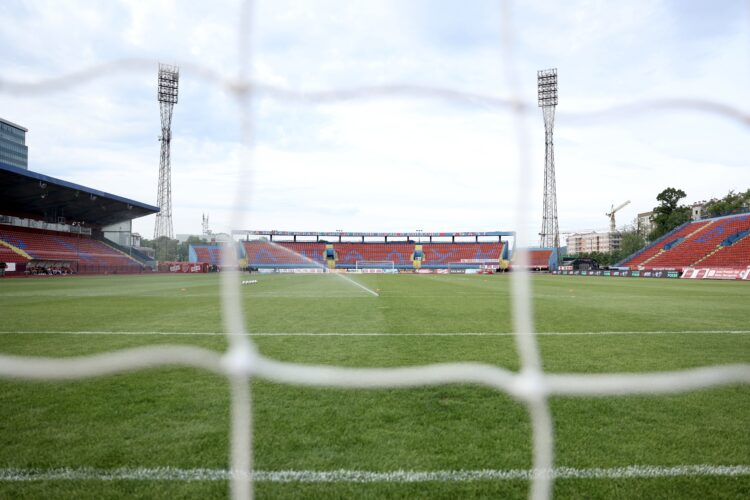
<point>169,78</point>
<point>547,84</point>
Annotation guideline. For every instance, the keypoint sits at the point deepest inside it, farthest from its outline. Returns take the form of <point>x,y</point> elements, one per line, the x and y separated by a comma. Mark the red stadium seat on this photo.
<point>264,253</point>
<point>90,255</point>
<point>538,258</point>
<point>703,243</point>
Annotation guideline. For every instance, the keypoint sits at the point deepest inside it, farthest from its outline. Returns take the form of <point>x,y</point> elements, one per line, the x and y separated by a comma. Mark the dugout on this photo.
<point>579,264</point>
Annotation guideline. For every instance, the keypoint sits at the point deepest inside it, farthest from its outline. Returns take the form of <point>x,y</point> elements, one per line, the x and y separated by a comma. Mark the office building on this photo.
<point>13,150</point>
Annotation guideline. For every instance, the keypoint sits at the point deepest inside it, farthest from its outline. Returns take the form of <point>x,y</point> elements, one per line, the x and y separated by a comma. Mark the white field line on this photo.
<point>360,476</point>
<point>378,334</point>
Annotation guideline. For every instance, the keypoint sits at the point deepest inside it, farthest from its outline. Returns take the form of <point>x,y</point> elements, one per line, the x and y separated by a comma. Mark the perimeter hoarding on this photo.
<point>712,273</point>
<point>183,267</point>
<point>709,273</point>
<point>621,274</point>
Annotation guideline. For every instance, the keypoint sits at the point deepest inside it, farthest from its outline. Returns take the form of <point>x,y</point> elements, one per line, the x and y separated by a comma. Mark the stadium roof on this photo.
<point>40,195</point>
<point>415,234</point>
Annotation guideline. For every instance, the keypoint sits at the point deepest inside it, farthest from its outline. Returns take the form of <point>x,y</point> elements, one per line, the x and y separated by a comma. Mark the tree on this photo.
<point>669,198</point>
<point>168,250</point>
<point>730,204</point>
<point>631,242</point>
<point>669,214</point>
<point>165,249</point>
<point>183,249</point>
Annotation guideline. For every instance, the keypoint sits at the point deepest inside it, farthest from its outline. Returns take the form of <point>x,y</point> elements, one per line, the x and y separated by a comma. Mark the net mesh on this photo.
<point>242,361</point>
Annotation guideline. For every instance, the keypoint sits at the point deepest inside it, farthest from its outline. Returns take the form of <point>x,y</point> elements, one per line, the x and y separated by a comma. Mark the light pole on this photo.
<point>78,224</point>
<point>547,86</point>
<point>169,78</point>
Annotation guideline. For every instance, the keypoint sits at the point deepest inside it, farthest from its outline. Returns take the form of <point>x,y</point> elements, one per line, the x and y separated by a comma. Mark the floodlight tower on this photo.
<point>204,225</point>
<point>169,77</point>
<point>547,85</point>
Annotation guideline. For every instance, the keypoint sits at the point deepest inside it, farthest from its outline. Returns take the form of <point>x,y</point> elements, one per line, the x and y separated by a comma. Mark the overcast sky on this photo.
<point>385,163</point>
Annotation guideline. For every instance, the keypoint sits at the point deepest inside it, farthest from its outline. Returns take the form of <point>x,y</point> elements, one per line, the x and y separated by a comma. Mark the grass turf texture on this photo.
<point>178,417</point>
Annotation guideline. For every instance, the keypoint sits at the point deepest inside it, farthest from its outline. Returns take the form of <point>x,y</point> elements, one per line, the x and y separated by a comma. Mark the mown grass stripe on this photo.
<point>359,476</point>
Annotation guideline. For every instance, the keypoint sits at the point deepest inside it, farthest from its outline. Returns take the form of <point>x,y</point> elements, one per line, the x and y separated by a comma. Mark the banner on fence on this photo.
<point>712,273</point>
<point>302,270</point>
<point>183,267</point>
<point>617,273</point>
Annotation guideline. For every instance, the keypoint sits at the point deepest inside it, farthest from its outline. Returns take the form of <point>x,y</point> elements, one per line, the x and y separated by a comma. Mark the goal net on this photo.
<point>243,362</point>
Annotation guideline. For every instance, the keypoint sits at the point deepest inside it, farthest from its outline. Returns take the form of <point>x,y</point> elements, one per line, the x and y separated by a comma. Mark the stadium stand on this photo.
<point>678,234</point>
<point>348,254</point>
<point>312,251</point>
<point>210,254</point>
<point>262,253</point>
<point>719,242</point>
<point>734,251</point>
<point>452,253</point>
<point>49,223</point>
<point>539,259</point>
<point>8,255</point>
<point>82,253</point>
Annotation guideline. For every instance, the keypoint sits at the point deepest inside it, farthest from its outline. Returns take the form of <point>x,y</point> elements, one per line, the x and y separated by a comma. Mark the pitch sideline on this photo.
<point>359,476</point>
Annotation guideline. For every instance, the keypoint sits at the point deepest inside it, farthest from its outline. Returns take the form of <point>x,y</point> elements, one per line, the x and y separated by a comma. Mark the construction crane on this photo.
<point>611,215</point>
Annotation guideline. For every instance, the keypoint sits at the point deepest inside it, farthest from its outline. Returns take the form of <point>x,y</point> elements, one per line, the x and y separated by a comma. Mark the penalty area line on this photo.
<point>360,476</point>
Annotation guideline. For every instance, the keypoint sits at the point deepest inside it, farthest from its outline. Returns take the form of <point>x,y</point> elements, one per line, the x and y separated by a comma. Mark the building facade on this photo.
<point>13,150</point>
<point>645,223</point>
<point>593,242</point>
<point>698,209</point>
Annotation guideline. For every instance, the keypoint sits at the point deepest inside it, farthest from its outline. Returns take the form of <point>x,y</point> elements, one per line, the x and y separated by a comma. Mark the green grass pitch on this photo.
<point>179,417</point>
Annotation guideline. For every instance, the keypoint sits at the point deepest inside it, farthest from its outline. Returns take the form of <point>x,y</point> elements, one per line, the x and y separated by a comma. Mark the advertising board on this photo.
<point>302,270</point>
<point>712,273</point>
<point>614,273</point>
<point>184,267</point>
